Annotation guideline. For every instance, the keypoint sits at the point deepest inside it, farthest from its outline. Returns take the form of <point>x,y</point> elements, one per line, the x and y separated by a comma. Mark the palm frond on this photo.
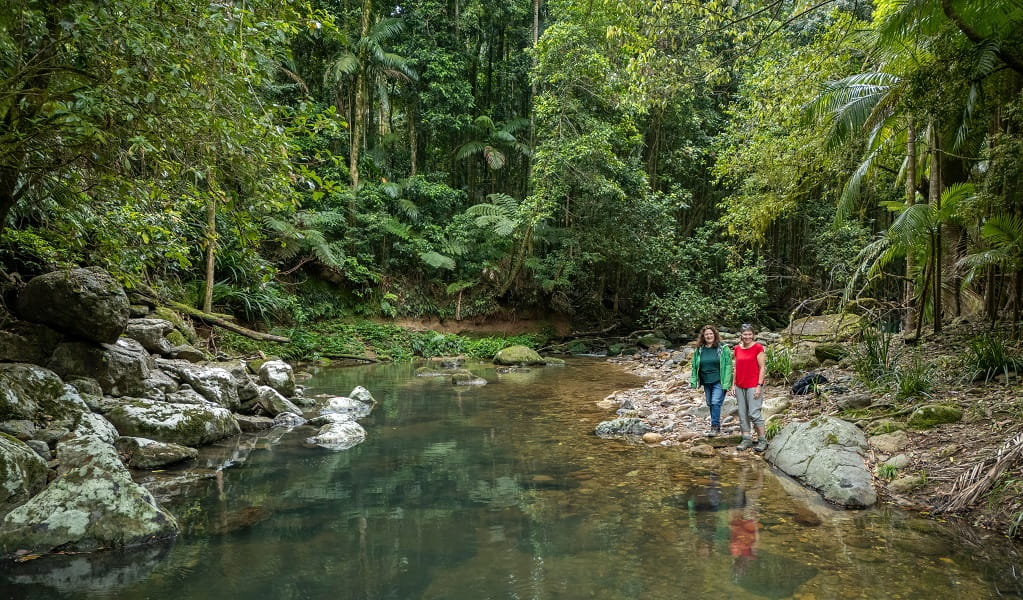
<point>484,123</point>
<point>469,149</point>
<point>385,29</point>
<point>437,260</point>
<point>494,157</point>
<point>1004,231</point>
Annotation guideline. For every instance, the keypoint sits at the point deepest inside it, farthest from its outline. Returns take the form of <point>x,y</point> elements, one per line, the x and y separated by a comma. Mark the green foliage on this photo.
<point>778,361</point>
<point>874,359</point>
<point>913,378</point>
<point>123,151</point>
<point>989,355</point>
<point>773,428</point>
<point>887,472</point>
<point>709,283</point>
<point>333,338</point>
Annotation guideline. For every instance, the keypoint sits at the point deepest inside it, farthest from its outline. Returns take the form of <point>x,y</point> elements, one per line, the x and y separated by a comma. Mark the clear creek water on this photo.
<point>502,492</point>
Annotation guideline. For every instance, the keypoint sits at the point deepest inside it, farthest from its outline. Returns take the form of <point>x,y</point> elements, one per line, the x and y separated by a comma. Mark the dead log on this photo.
<point>150,296</point>
<point>220,322</point>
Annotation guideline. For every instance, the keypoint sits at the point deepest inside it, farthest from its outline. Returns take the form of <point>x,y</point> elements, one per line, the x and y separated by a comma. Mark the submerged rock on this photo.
<point>339,436</point>
<point>518,355</point>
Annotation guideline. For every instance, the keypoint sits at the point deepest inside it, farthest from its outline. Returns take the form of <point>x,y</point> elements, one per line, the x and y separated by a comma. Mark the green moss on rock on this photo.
<point>932,415</point>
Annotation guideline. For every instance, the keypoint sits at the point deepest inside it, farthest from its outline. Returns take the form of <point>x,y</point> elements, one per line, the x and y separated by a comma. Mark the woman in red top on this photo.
<point>750,372</point>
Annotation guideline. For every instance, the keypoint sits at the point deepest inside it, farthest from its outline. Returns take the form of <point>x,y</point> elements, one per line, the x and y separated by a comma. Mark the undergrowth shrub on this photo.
<point>913,378</point>
<point>778,360</point>
<point>988,355</point>
<point>873,358</point>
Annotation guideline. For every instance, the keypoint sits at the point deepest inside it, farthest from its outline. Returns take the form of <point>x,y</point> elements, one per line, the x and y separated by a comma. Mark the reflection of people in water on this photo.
<point>744,528</point>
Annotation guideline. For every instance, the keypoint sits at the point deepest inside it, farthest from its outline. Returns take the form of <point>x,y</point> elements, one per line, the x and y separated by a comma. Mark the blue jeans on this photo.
<point>715,396</point>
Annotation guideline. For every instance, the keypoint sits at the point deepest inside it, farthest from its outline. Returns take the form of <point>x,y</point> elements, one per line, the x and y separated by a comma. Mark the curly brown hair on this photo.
<point>701,343</point>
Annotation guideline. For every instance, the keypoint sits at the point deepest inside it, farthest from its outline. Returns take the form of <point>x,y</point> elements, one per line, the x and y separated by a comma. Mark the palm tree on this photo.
<point>493,142</point>
<point>368,63</point>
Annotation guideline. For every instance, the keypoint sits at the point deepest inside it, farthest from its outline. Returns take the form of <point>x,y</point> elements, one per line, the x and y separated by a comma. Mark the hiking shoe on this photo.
<point>714,432</point>
<point>760,446</point>
<point>745,444</point>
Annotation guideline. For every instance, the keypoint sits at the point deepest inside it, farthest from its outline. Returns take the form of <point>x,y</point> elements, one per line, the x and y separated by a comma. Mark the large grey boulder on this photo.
<point>273,403</point>
<point>95,426</point>
<point>33,393</point>
<point>22,473</point>
<point>826,454</point>
<point>121,368</point>
<point>279,375</point>
<point>23,341</point>
<point>183,424</point>
<point>245,384</point>
<point>214,383</point>
<point>152,334</point>
<point>144,453</point>
<point>87,303</point>
<point>94,505</point>
<point>823,328</point>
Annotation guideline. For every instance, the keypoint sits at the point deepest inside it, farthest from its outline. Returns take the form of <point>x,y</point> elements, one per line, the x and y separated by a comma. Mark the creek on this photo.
<point>503,492</point>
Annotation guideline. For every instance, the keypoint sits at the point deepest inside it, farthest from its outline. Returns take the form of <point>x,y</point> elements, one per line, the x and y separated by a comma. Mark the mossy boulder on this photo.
<point>823,328</point>
<point>886,426</point>
<point>27,391</point>
<point>93,505</point>
<point>184,424</point>
<point>830,351</point>
<point>518,355</point>
<point>651,342</point>
<point>181,324</point>
<point>932,415</point>
<point>22,473</point>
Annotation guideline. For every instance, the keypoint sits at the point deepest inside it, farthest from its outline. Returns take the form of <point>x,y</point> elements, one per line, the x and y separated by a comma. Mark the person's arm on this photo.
<point>762,379</point>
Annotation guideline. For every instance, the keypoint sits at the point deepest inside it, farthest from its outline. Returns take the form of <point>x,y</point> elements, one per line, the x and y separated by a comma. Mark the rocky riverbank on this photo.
<point>90,396</point>
<point>969,469</point>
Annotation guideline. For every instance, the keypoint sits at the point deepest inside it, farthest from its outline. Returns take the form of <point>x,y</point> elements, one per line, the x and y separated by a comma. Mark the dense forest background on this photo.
<point>640,164</point>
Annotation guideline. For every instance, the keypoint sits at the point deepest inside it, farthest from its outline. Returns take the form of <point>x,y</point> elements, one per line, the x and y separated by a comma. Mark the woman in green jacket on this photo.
<point>712,368</point>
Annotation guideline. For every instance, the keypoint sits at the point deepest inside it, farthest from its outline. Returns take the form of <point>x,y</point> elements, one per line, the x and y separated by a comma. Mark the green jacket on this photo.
<point>727,370</point>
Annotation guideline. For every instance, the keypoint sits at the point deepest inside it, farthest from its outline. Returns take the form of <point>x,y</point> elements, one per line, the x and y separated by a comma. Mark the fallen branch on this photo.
<point>219,322</point>
<point>352,357</point>
<point>897,413</point>
<point>579,334</point>
<point>152,297</point>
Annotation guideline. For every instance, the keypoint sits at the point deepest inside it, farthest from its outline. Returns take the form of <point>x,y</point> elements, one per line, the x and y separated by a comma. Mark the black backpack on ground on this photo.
<point>806,384</point>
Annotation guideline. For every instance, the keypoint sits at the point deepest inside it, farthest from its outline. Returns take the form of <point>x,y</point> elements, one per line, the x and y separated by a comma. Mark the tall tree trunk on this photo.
<point>908,293</point>
<point>934,193</point>
<point>211,248</point>
<point>359,110</point>
<point>412,141</point>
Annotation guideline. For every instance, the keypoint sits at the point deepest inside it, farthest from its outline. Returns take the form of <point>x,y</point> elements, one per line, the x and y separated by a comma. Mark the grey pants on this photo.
<point>749,408</point>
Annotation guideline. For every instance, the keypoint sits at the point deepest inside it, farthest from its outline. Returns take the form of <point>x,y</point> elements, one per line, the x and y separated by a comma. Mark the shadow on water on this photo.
<point>503,492</point>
